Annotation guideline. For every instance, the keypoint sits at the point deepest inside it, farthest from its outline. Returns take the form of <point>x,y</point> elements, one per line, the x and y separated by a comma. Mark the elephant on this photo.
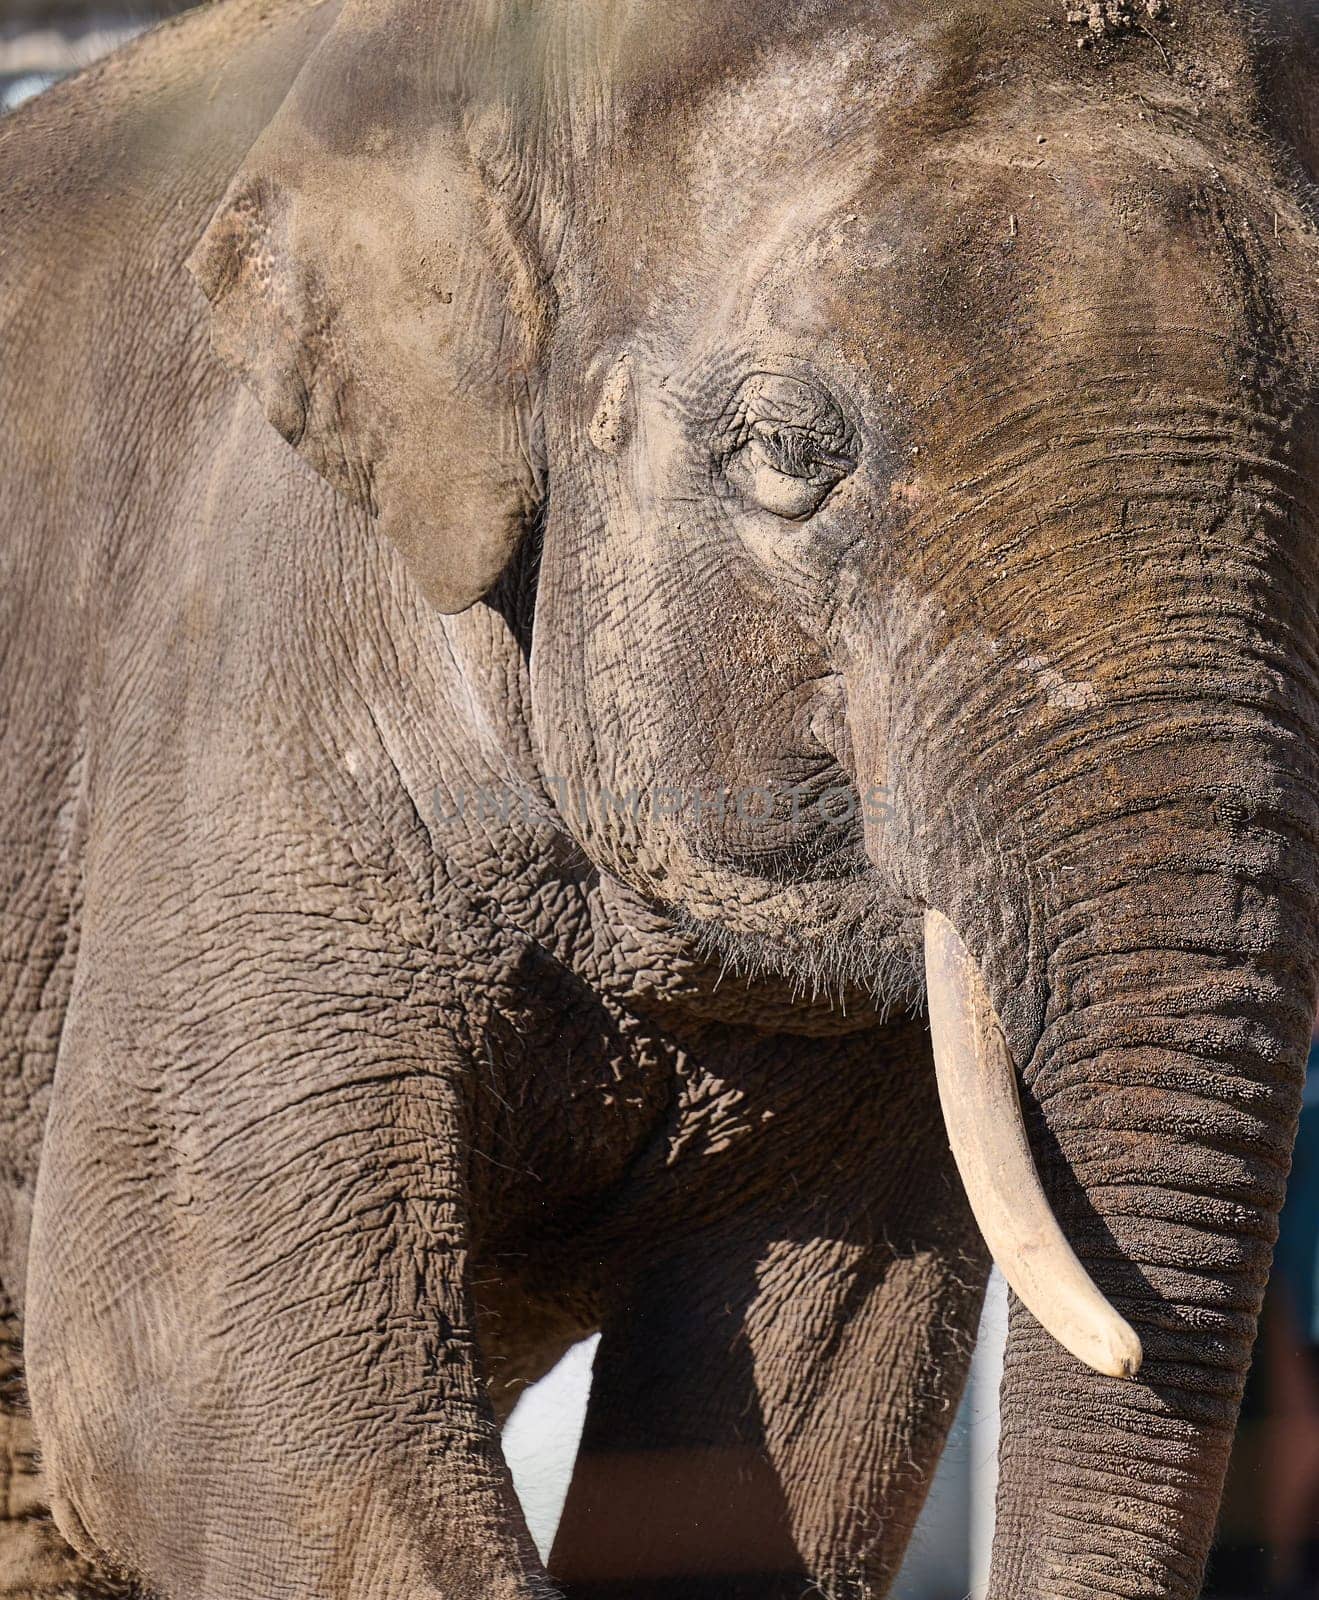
<point>660,679</point>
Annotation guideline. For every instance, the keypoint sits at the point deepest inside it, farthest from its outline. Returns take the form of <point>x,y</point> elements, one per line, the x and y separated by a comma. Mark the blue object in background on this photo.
<point>19,86</point>
<point>1296,1258</point>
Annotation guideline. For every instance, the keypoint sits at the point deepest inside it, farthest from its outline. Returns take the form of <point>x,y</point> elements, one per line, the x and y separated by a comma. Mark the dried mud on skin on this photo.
<point>1110,19</point>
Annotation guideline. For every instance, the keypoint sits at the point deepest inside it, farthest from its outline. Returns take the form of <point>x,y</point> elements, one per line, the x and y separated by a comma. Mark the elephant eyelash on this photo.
<point>796,453</point>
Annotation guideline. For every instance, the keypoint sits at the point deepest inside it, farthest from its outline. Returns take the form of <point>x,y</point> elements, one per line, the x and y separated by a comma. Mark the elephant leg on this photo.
<point>249,1301</point>
<point>36,1562</point>
<point>770,1402</point>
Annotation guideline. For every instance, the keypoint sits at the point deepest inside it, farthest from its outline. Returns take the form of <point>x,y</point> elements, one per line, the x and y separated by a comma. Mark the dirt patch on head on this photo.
<point>1110,19</point>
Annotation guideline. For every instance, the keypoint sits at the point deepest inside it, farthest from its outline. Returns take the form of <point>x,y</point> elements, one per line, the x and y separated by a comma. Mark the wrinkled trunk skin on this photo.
<point>1161,1079</point>
<point>1115,805</point>
<point>1161,1073</point>
<point>1161,1091</point>
<point>1162,1097</point>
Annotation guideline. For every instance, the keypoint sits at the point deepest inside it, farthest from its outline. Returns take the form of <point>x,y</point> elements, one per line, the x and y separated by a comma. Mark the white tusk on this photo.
<point>982,1113</point>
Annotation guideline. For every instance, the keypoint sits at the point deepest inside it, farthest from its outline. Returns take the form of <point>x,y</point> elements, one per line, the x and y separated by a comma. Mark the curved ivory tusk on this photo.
<point>982,1112</point>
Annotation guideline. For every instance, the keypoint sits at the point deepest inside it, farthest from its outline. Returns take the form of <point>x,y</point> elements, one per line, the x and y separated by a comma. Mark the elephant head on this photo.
<point>915,412</point>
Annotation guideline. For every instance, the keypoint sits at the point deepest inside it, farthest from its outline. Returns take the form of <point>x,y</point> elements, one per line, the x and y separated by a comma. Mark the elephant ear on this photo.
<point>367,283</point>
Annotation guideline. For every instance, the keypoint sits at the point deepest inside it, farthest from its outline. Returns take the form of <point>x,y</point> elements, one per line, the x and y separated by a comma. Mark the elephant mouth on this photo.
<point>823,856</point>
<point>839,944</point>
<point>806,823</point>
<point>982,1114</point>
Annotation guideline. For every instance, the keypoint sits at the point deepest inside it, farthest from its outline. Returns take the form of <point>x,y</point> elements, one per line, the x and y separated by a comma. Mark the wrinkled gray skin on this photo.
<point>882,397</point>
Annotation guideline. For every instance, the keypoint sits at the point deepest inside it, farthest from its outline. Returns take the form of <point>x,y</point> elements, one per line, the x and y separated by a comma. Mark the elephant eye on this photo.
<point>784,474</point>
<point>783,446</point>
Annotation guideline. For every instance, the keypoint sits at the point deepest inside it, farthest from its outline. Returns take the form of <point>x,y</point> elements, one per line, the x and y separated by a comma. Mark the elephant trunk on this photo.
<point>1091,700</point>
<point>1165,1123</point>
<point>1130,1195</point>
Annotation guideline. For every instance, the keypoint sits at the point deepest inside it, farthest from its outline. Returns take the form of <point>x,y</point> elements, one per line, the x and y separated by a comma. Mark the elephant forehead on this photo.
<point>1029,231</point>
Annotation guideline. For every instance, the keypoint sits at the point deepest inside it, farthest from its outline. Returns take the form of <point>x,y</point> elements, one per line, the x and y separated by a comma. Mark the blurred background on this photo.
<point>41,40</point>
<point>1268,1543</point>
